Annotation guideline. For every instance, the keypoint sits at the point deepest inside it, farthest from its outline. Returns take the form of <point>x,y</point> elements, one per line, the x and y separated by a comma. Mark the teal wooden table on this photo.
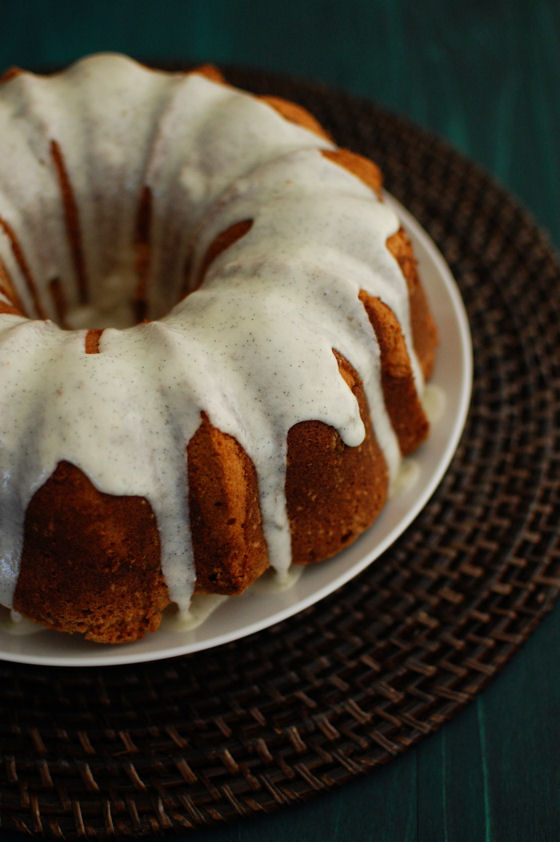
<point>486,76</point>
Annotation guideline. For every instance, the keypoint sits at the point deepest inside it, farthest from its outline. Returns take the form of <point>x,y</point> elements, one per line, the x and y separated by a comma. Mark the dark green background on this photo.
<point>486,75</point>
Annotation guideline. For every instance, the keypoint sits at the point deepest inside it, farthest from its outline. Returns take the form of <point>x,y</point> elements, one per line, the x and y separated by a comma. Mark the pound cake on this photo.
<point>213,343</point>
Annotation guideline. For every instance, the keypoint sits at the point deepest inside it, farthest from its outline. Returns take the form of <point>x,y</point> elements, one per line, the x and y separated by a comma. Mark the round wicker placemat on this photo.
<point>358,678</point>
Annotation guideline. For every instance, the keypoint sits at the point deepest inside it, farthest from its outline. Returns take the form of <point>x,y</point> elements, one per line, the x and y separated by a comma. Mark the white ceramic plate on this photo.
<point>255,610</point>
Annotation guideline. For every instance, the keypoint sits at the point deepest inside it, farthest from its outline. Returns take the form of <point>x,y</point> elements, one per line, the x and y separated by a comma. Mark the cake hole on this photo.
<point>142,251</point>
<point>72,220</point>
<point>11,303</point>
<point>57,296</point>
<point>28,279</point>
<point>10,73</point>
<point>102,276</point>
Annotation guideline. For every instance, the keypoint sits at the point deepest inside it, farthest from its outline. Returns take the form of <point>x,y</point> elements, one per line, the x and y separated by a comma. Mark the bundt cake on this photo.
<point>213,343</point>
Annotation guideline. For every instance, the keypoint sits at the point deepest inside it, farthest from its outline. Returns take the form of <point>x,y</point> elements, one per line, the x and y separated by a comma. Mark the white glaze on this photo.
<point>433,402</point>
<point>16,625</point>
<point>252,348</point>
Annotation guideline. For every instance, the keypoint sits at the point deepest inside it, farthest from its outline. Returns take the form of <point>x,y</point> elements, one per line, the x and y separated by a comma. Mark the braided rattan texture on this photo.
<point>357,679</point>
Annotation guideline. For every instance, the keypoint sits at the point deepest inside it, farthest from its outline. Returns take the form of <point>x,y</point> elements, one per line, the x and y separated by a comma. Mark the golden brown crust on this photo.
<point>57,295</point>
<point>424,332</point>
<point>399,390</point>
<point>294,113</point>
<point>333,492</point>
<point>13,305</point>
<point>90,561</point>
<point>93,337</point>
<point>7,288</point>
<point>361,167</point>
<point>228,542</point>
<point>223,241</point>
<point>24,267</point>
<point>9,309</point>
<point>72,219</point>
<point>210,71</point>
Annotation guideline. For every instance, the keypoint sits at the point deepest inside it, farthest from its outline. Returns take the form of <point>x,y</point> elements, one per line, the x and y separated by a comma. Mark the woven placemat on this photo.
<point>358,678</point>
